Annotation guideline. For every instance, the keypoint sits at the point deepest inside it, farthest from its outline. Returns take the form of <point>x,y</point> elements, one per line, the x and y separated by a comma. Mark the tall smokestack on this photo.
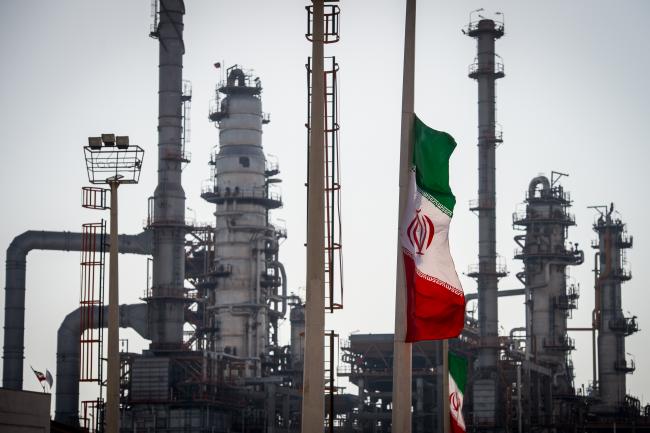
<point>486,71</point>
<point>166,301</point>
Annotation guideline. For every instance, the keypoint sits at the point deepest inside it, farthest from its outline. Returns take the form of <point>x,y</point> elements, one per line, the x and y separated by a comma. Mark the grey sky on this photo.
<point>574,99</point>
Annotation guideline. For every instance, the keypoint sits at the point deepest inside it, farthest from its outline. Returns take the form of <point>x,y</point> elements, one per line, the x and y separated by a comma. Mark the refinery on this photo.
<point>214,310</point>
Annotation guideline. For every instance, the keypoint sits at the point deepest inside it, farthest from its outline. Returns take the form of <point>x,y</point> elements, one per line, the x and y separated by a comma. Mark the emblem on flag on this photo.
<point>420,231</point>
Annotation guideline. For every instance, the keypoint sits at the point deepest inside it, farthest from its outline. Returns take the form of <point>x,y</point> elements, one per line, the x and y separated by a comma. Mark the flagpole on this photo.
<point>446,423</point>
<point>402,356</point>
<point>313,392</point>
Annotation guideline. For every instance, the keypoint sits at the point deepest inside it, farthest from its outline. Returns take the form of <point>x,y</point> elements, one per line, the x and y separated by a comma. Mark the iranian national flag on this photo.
<point>435,302</point>
<point>457,378</point>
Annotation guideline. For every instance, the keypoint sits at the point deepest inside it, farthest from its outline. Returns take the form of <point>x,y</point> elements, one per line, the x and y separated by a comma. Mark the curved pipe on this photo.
<point>518,329</point>
<point>68,354</point>
<point>14,335</point>
<point>237,75</point>
<point>284,287</point>
<point>543,180</point>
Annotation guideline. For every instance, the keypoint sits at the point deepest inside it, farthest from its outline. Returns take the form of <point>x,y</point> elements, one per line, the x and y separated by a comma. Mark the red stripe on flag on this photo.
<point>455,427</point>
<point>433,311</point>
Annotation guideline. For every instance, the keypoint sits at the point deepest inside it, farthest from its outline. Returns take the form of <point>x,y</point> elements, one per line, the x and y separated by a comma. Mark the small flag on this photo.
<point>435,306</point>
<point>457,380</point>
<point>49,378</point>
<point>40,376</point>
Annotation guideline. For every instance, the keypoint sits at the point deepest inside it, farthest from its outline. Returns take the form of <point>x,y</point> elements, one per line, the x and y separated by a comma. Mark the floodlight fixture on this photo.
<point>111,163</point>
<point>95,142</point>
<point>108,139</point>
<point>122,142</point>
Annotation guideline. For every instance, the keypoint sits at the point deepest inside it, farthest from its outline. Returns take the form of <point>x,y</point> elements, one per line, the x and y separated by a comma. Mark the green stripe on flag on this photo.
<point>458,370</point>
<point>431,152</point>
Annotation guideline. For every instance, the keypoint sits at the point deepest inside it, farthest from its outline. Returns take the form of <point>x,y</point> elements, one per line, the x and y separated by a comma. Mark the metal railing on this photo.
<point>556,192</point>
<point>473,26</point>
<point>495,68</point>
<point>501,269</point>
<point>624,365</point>
<point>627,325</point>
<point>527,216</point>
<point>331,23</point>
<point>233,193</point>
<point>564,343</point>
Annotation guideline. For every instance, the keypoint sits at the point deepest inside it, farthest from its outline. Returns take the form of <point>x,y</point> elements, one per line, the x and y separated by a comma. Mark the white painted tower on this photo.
<point>246,303</point>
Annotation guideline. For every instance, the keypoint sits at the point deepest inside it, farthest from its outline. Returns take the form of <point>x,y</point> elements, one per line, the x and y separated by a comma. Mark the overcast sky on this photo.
<point>574,99</point>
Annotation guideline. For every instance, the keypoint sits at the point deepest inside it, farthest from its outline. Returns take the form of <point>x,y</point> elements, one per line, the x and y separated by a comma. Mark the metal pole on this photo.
<point>331,390</point>
<point>402,356</point>
<point>519,408</point>
<point>313,400</point>
<point>113,367</point>
<point>446,426</point>
<point>594,357</point>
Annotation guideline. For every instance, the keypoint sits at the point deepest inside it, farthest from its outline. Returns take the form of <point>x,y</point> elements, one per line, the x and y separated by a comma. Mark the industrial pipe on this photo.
<point>532,186</point>
<point>500,293</point>
<point>68,354</point>
<point>283,273</point>
<point>14,336</point>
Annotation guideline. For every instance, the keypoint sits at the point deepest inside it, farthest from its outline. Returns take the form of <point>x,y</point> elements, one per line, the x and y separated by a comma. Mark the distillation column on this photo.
<point>248,274</point>
<point>486,71</point>
<point>166,300</point>
<point>612,325</point>
<point>548,302</point>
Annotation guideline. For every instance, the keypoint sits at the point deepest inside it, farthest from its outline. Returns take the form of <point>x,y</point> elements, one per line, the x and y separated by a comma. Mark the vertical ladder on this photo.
<point>331,354</point>
<point>91,306</point>
<point>333,271</point>
<point>186,101</point>
<point>92,415</point>
<point>92,300</point>
<point>155,10</point>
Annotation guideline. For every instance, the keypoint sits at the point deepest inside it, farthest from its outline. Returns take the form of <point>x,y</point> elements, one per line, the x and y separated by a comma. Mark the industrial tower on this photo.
<point>486,70</point>
<point>548,299</point>
<point>610,272</point>
<point>167,296</point>
<point>245,304</point>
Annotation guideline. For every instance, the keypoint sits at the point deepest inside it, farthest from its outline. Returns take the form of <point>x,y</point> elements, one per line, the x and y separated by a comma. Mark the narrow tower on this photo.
<point>609,320</point>
<point>486,70</point>
<point>246,303</point>
<point>167,297</point>
<point>549,301</point>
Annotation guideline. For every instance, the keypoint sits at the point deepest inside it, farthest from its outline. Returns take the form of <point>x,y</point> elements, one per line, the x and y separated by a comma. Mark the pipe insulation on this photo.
<point>132,316</point>
<point>16,264</point>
